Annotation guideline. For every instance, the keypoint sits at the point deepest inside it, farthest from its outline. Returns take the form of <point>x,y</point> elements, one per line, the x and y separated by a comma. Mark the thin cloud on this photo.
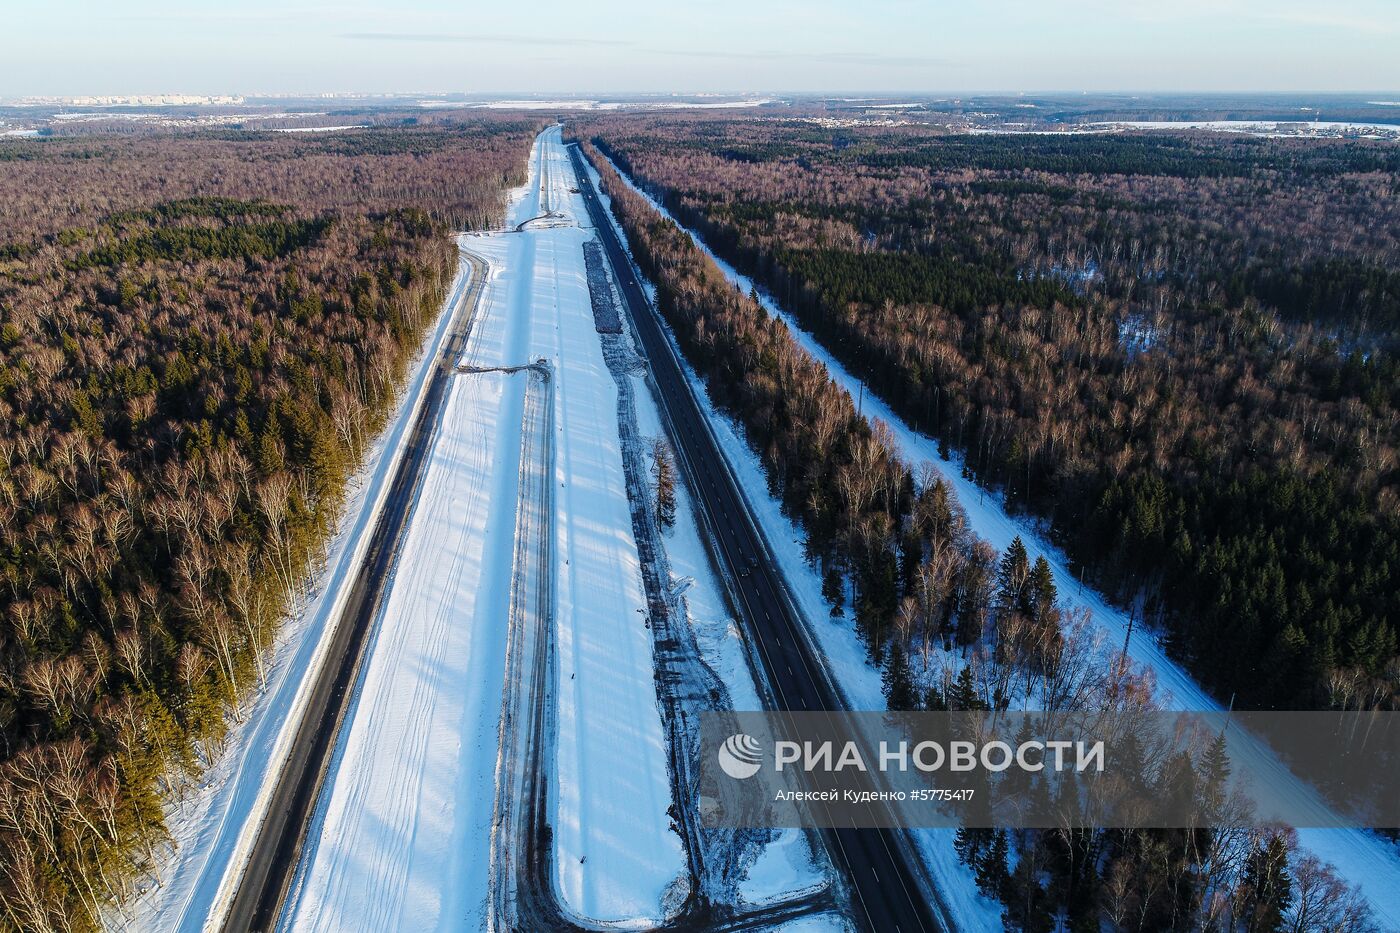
<point>1335,20</point>
<point>483,38</point>
<point>826,58</point>
<point>1364,18</point>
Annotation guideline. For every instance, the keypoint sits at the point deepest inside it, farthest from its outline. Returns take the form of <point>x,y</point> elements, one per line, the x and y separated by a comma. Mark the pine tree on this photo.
<point>1028,906</point>
<point>1043,595</point>
<point>834,587</point>
<point>1177,784</point>
<point>1266,891</point>
<point>1068,803</point>
<point>1012,577</point>
<point>269,453</point>
<point>1215,772</point>
<point>898,684</point>
<point>993,873</point>
<point>1016,783</point>
<point>1130,763</point>
<point>969,842</point>
<point>963,697</point>
<point>1042,805</point>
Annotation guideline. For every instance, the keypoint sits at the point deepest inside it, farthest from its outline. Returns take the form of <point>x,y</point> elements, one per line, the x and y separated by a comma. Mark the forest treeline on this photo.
<point>451,172</point>
<point>1181,350</point>
<point>199,338</point>
<point>956,626</point>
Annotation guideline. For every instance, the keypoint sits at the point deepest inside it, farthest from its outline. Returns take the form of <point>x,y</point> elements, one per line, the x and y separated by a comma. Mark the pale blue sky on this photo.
<point>258,46</point>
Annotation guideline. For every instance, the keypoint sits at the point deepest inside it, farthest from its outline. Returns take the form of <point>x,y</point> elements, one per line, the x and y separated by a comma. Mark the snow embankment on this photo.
<point>401,838</point>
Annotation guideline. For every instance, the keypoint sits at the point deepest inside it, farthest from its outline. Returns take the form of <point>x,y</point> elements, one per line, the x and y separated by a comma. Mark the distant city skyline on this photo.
<point>80,47</point>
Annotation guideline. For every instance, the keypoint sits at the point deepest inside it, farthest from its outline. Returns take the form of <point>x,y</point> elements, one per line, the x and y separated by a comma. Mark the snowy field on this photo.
<point>1360,857</point>
<point>215,823</point>
<point>320,129</point>
<point>1262,127</point>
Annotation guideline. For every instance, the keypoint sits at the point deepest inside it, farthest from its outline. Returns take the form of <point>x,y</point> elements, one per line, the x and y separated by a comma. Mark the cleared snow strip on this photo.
<point>846,655</point>
<point>214,826</point>
<point>616,857</point>
<point>1361,857</point>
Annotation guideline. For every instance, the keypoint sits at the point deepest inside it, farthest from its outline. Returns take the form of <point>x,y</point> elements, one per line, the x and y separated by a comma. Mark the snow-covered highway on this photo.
<point>255,798</point>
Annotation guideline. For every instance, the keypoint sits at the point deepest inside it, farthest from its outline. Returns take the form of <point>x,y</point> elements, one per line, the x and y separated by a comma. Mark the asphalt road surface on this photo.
<point>273,859</point>
<point>876,863</point>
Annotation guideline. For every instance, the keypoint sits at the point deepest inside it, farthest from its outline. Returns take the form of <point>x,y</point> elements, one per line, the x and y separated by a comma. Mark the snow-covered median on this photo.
<point>616,856</point>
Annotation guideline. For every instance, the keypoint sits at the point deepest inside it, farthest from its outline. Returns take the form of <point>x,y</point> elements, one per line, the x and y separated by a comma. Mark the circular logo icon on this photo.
<point>740,756</point>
